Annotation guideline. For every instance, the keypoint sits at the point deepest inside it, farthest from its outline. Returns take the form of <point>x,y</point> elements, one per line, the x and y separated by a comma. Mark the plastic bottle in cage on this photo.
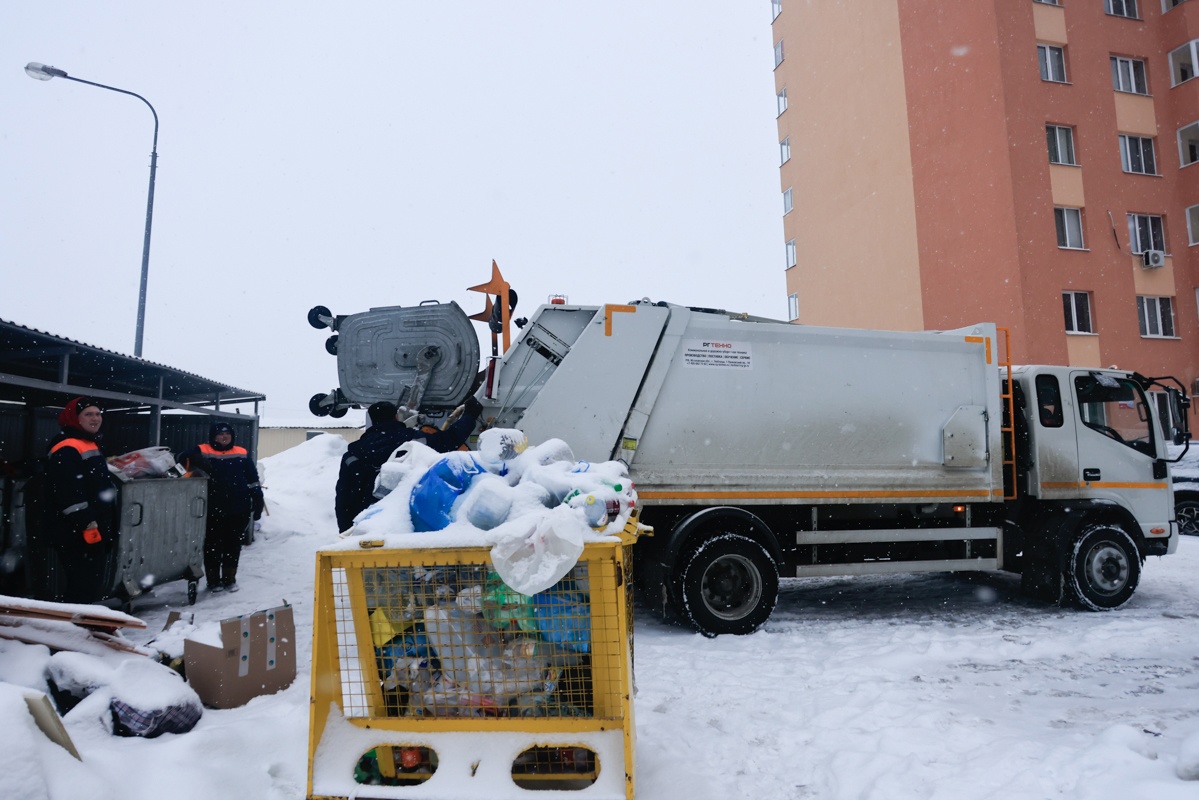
<point>596,511</point>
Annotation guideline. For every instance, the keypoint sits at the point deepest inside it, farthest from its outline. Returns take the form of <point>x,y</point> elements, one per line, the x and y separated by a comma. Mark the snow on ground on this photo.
<point>944,686</point>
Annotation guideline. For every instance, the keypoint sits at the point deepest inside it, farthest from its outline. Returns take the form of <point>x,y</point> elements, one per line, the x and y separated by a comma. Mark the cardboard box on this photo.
<point>257,656</point>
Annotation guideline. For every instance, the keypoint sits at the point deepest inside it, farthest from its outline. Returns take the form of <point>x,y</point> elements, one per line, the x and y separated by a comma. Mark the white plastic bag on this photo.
<point>149,462</point>
<point>536,561</point>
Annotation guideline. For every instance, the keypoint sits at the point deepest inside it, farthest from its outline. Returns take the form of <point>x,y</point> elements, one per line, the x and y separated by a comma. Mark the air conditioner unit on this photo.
<point>1153,259</point>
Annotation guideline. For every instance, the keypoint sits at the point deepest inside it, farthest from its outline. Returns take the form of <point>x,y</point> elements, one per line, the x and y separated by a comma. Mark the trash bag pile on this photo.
<point>512,638</point>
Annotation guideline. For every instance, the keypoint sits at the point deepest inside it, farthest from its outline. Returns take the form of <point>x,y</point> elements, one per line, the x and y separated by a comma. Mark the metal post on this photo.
<point>42,72</point>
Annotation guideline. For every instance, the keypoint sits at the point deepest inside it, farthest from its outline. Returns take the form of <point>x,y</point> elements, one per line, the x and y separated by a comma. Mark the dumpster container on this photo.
<point>162,535</point>
<point>431,678</point>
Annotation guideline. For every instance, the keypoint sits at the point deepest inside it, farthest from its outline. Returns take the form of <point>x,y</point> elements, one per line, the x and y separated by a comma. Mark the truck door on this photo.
<point>1054,473</point>
<point>1118,446</point>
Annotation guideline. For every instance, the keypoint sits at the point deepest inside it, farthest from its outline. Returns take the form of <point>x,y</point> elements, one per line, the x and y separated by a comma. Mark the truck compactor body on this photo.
<point>762,449</point>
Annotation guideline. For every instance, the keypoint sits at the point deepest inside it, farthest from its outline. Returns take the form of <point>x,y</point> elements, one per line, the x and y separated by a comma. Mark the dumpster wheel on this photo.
<point>192,590</point>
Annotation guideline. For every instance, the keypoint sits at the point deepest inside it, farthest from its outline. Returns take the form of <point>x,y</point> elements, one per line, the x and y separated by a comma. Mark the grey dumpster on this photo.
<point>162,535</point>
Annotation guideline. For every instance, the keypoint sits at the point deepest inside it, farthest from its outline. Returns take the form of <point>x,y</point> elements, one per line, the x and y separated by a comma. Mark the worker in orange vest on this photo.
<point>234,495</point>
<point>81,507</point>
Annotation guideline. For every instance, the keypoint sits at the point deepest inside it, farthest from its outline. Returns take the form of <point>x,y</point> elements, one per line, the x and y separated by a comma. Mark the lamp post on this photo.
<point>44,73</point>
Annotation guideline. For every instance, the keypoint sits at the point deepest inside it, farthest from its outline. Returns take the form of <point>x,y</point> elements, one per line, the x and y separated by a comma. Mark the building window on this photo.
<point>778,52</point>
<point>1053,63</point>
<point>792,307</point>
<point>1077,306</point>
<point>1156,316</point>
<point>1146,232</point>
<point>1128,75</point>
<point>785,150</point>
<point>1193,225</point>
<point>791,260</point>
<point>787,201</point>
<point>1183,61</point>
<point>1136,155</point>
<point>1048,2</point>
<point>1122,8</point>
<point>1168,4</point>
<point>1188,144</point>
<point>1069,227</point>
<point>1061,144</point>
<point>776,8</point>
<point>782,98</point>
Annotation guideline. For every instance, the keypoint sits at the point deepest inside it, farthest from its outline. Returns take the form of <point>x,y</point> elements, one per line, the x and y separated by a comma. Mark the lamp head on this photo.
<point>42,72</point>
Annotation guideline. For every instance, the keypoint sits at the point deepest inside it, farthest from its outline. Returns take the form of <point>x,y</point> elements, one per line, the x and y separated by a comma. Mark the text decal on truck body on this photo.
<point>719,354</point>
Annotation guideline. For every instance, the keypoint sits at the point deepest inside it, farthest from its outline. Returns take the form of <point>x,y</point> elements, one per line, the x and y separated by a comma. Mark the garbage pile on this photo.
<point>508,637</point>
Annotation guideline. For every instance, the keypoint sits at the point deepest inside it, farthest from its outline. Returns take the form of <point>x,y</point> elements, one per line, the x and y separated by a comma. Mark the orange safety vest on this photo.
<point>85,448</point>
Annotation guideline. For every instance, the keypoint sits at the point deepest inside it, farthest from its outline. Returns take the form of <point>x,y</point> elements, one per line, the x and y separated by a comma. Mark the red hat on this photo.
<point>69,416</point>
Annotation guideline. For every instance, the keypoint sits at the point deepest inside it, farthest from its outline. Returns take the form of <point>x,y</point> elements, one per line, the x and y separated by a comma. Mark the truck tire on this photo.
<point>730,584</point>
<point>1104,568</point>
<point>1187,514</point>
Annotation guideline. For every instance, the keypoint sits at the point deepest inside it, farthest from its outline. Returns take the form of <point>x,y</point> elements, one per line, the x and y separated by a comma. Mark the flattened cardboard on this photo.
<point>256,657</point>
<point>49,723</point>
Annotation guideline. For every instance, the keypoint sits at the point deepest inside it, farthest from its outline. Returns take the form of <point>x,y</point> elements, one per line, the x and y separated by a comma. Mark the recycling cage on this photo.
<point>433,679</point>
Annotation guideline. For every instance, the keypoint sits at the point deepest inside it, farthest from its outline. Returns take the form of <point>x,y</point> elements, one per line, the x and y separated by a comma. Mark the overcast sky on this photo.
<point>358,155</point>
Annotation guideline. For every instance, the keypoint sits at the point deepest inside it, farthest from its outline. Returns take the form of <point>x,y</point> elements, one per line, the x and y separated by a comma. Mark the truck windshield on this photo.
<point>1116,407</point>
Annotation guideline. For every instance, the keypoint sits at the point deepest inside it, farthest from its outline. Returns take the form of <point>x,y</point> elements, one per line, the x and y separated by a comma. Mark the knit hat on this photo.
<point>382,411</point>
<point>69,416</point>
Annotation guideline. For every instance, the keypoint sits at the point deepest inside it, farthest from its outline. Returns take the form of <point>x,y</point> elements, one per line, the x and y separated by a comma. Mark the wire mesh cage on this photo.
<point>430,672</point>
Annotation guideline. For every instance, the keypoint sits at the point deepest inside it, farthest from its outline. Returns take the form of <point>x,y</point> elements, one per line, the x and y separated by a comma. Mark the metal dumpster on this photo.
<point>161,535</point>
<point>433,679</point>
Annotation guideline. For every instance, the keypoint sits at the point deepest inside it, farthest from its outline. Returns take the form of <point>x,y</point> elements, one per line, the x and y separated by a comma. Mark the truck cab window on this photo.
<point>1117,408</point>
<point>1049,401</point>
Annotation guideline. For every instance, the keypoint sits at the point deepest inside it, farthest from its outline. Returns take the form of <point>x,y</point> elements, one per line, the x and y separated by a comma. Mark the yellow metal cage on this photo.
<point>431,678</point>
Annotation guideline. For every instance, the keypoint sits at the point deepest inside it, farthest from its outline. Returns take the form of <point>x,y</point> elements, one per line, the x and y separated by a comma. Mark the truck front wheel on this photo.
<point>1104,568</point>
<point>730,585</point>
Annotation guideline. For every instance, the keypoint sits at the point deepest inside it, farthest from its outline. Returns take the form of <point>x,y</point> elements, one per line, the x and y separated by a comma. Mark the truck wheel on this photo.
<point>1187,514</point>
<point>331,345</point>
<point>1104,568</point>
<point>730,585</point>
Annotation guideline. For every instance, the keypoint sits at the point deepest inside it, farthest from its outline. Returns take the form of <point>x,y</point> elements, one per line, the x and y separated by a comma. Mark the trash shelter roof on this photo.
<point>38,368</point>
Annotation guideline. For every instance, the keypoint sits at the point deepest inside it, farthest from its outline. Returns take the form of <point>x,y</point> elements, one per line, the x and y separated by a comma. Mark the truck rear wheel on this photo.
<point>1104,568</point>
<point>730,585</point>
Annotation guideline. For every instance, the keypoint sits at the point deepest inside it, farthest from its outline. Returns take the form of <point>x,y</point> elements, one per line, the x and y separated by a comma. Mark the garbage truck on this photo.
<point>762,449</point>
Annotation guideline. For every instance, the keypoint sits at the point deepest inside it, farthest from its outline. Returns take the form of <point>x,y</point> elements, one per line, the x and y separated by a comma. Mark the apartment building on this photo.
<point>1029,162</point>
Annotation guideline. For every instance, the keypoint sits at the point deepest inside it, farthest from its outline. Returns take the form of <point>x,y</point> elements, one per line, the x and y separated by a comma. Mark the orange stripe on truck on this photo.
<point>609,310</point>
<point>652,495</point>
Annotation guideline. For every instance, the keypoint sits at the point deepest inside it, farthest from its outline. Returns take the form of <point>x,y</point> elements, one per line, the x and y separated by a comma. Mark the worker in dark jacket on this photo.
<point>364,458</point>
<point>81,507</point>
<point>234,495</point>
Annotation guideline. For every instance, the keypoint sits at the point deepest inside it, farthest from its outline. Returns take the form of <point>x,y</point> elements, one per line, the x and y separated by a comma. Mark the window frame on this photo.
<point>1109,8</point>
<point>1192,214</point>
<point>1146,303</point>
<point>793,307</point>
<point>1074,321</point>
<point>781,99</point>
<point>1193,139</point>
<point>1053,140</point>
<point>1049,2</point>
<point>792,254</point>
<point>1144,144</point>
<point>1142,227</point>
<point>1046,65</point>
<point>776,8</point>
<point>784,150</point>
<point>1133,64</point>
<point>788,201</point>
<point>1192,50</point>
<point>1063,213</point>
<point>778,53</point>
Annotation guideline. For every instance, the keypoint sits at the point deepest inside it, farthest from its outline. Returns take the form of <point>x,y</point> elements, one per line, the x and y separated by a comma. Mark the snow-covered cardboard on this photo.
<point>256,656</point>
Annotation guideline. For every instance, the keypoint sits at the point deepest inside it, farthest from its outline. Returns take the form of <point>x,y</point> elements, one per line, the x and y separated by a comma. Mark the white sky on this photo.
<point>374,154</point>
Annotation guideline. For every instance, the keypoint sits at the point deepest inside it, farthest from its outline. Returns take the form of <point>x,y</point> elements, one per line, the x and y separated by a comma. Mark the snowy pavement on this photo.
<point>878,688</point>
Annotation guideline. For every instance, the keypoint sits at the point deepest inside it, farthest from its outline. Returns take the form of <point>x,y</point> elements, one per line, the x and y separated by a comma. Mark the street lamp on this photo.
<point>44,73</point>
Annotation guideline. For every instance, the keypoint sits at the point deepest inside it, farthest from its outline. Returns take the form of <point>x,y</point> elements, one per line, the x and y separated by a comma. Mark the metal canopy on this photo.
<point>38,368</point>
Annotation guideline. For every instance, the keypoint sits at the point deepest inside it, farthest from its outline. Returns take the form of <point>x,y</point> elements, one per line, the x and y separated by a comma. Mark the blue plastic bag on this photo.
<point>432,500</point>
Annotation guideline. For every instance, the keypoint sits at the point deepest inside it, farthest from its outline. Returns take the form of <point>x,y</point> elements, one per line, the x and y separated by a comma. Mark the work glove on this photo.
<point>258,503</point>
<point>91,533</point>
<point>472,407</point>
